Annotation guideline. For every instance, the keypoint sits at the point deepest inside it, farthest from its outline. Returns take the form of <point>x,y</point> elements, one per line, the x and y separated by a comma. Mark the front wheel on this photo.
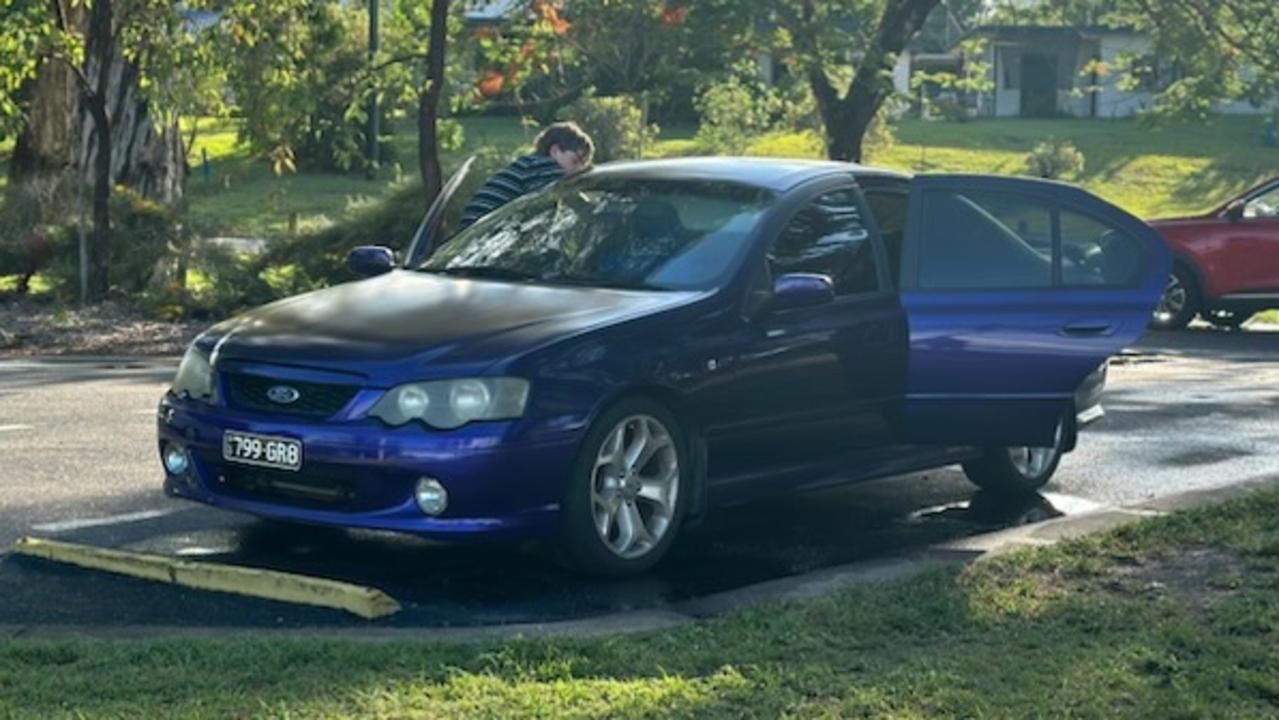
<point>629,490</point>
<point>1017,471</point>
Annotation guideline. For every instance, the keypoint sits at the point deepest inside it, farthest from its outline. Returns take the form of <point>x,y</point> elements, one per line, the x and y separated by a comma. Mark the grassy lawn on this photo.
<point>240,195</point>
<point>1176,617</point>
<point>1149,171</point>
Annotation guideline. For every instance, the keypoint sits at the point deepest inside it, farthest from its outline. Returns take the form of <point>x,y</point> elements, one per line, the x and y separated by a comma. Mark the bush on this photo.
<point>732,114</point>
<point>616,124</point>
<point>34,234</point>
<point>1055,159</point>
<point>319,257</point>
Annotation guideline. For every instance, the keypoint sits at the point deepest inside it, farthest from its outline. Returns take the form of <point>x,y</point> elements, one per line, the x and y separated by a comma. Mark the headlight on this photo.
<point>195,376</point>
<point>447,404</point>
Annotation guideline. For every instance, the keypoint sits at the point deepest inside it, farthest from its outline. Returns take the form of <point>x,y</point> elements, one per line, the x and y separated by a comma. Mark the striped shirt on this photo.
<point>527,174</point>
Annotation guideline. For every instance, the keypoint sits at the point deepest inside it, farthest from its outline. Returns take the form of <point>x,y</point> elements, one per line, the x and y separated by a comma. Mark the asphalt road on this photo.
<point>1186,411</point>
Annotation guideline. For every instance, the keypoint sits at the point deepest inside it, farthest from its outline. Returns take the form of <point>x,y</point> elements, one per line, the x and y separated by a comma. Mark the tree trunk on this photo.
<point>428,107</point>
<point>100,50</point>
<point>847,118</point>
<point>147,152</point>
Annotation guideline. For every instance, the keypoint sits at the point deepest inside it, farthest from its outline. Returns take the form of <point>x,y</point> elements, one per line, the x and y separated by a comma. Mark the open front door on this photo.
<point>1015,290</point>
<point>425,239</point>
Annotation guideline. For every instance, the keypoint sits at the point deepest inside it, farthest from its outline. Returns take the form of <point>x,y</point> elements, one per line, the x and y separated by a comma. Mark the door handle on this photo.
<point>1087,328</point>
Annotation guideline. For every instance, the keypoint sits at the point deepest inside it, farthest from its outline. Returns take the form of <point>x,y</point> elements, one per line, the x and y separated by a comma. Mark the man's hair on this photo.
<point>568,136</point>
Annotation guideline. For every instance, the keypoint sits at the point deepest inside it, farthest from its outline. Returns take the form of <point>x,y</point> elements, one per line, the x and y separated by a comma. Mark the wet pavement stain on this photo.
<point>1205,456</point>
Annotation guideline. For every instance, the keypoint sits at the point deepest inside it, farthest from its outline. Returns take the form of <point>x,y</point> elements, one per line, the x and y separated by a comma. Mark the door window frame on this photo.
<point>796,201</point>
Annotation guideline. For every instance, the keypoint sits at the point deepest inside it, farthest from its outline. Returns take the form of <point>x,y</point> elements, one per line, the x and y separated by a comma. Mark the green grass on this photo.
<point>1173,618</point>
<point>1149,171</point>
<point>240,195</point>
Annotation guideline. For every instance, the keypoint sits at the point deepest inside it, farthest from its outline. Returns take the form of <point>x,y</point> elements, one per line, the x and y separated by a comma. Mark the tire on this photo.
<point>1179,302</point>
<point>608,494</point>
<point>1019,471</point>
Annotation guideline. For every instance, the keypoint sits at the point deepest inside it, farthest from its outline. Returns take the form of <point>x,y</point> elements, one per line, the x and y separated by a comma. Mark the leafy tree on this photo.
<point>845,50</point>
<point>432,62</point>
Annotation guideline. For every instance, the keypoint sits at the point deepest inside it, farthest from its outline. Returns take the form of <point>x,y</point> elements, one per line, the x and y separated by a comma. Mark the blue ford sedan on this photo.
<point>605,361</point>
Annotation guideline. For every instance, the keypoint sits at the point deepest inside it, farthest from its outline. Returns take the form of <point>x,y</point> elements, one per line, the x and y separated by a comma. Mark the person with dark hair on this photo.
<point>560,150</point>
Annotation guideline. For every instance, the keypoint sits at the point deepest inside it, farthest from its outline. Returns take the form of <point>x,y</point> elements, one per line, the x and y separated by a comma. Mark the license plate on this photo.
<point>262,450</point>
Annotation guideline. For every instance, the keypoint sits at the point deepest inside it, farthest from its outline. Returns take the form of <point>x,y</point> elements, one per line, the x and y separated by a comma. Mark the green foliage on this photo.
<point>733,112</point>
<point>943,94</point>
<point>1055,159</point>
<point>616,124</point>
<point>33,232</point>
<point>296,87</point>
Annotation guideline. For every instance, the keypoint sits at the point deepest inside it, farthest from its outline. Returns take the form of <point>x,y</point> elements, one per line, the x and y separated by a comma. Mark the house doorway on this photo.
<point>1038,85</point>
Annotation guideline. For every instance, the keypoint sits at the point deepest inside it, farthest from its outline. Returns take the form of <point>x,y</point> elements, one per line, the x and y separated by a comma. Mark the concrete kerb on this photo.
<point>807,585</point>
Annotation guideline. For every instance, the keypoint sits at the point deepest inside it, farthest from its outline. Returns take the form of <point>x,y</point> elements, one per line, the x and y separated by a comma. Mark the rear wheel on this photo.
<point>1017,470</point>
<point>1179,302</point>
<point>628,494</point>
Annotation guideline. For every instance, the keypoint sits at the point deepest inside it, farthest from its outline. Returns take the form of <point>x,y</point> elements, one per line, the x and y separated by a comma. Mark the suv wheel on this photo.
<point>1178,304</point>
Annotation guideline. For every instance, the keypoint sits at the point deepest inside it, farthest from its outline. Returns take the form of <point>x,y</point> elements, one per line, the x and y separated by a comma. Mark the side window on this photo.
<point>1265,205</point>
<point>1095,254</point>
<point>828,236</point>
<point>985,240</point>
<point>889,208</point>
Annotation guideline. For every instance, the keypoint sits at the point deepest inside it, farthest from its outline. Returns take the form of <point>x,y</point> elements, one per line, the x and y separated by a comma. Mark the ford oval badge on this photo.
<point>283,394</point>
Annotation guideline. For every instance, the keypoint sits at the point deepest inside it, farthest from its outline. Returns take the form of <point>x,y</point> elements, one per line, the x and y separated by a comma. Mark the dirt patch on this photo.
<point>1196,576</point>
<point>113,328</point>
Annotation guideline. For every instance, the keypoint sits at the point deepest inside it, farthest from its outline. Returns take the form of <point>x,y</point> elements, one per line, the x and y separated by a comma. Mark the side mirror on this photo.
<point>797,290</point>
<point>370,260</point>
<point>1234,211</point>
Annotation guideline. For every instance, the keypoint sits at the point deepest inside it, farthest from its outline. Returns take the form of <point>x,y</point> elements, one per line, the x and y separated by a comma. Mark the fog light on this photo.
<point>431,496</point>
<point>175,459</point>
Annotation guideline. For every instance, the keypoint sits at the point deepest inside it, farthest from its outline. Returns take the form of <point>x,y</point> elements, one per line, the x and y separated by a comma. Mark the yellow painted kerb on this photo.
<point>364,601</point>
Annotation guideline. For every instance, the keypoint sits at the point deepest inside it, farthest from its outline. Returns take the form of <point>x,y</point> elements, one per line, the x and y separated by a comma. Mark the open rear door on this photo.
<point>426,239</point>
<point>1015,290</point>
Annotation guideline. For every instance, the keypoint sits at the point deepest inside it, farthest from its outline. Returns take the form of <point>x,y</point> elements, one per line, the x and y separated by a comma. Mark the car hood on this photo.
<point>411,325</point>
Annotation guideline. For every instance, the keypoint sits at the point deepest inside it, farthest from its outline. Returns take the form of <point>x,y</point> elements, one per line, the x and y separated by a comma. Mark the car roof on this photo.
<point>780,174</point>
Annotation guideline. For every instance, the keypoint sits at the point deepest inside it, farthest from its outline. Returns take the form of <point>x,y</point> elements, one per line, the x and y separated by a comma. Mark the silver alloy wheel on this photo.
<point>1031,462</point>
<point>634,486</point>
<point>1173,301</point>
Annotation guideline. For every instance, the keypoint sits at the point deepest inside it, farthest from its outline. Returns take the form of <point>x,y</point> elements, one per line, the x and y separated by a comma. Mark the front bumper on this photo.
<point>503,478</point>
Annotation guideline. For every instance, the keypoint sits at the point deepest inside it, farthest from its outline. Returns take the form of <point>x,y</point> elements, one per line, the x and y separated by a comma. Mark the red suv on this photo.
<point>1226,261</point>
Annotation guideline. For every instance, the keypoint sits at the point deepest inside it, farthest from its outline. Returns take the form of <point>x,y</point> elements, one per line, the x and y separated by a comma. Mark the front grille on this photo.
<point>249,392</point>
<point>301,490</point>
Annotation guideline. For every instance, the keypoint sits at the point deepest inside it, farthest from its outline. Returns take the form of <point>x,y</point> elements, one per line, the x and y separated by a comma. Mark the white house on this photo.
<point>1043,71</point>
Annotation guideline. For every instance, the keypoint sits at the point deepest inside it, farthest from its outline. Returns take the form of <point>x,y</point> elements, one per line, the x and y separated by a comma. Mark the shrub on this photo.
<point>1055,159</point>
<point>616,124</point>
<point>732,113</point>
<point>319,257</point>
<point>33,229</point>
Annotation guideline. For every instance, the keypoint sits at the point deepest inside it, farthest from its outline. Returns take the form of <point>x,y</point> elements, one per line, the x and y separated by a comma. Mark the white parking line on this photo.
<point>12,428</point>
<point>66,525</point>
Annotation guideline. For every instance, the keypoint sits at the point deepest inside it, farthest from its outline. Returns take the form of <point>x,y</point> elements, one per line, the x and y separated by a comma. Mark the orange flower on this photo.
<point>491,84</point>
<point>674,16</point>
